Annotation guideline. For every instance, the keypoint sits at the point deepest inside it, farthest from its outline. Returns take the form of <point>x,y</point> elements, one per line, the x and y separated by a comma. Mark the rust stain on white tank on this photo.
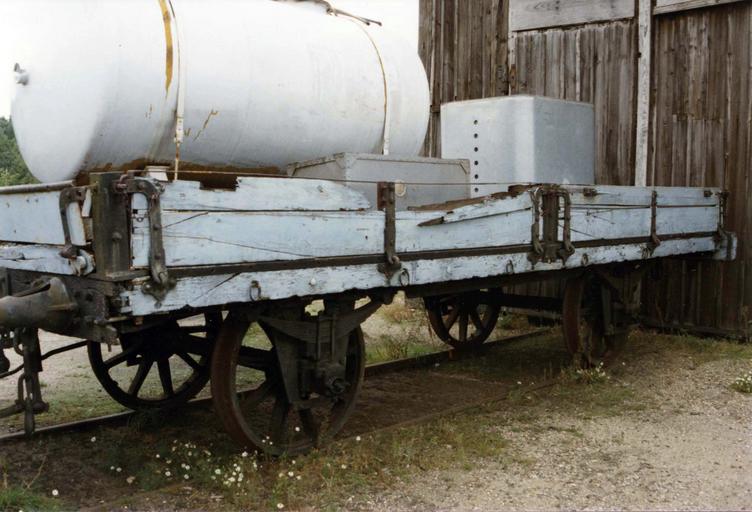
<point>167,18</point>
<point>212,113</point>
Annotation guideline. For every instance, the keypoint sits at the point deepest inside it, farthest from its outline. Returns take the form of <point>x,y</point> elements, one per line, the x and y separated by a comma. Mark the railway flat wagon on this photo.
<point>299,223</point>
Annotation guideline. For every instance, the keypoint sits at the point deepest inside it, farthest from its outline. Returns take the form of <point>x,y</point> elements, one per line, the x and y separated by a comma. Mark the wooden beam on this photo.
<point>669,6</point>
<point>537,14</point>
<point>644,68</point>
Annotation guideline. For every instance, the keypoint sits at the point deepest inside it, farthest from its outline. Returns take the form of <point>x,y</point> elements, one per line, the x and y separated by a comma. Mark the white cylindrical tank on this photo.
<point>102,83</point>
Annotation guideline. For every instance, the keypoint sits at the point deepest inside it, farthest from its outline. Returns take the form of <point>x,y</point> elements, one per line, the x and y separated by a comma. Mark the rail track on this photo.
<point>380,369</point>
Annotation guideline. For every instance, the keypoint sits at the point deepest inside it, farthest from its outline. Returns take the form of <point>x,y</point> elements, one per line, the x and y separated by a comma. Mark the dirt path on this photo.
<point>664,431</point>
<point>688,446</point>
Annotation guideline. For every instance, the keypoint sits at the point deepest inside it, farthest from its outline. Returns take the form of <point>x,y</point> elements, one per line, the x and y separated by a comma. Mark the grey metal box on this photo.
<point>521,139</point>
<point>420,181</point>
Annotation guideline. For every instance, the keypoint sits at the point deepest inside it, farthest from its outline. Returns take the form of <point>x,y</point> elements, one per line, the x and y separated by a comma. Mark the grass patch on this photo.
<point>15,498</point>
<point>390,348</point>
<point>326,479</point>
<point>703,350</point>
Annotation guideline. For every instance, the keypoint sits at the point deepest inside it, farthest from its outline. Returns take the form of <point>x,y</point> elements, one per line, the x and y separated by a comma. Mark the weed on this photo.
<point>594,375</point>
<point>743,384</point>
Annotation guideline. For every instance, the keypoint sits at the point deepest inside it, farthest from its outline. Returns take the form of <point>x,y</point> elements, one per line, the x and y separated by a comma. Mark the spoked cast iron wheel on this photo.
<point>583,324</point>
<point>463,321</point>
<point>177,354</point>
<point>261,416</point>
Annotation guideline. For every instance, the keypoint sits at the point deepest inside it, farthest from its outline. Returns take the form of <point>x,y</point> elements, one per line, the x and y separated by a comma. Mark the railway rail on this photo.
<point>374,370</point>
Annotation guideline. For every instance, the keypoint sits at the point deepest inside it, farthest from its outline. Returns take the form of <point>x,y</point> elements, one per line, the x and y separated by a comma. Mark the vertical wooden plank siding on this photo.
<point>595,64</point>
<point>463,45</point>
<point>693,125</point>
<point>702,136</point>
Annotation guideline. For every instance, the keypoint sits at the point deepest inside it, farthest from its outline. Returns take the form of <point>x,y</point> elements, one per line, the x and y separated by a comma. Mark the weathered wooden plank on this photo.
<point>40,258</point>
<point>537,14</point>
<point>701,135</point>
<point>208,291</point>
<point>644,67</point>
<point>212,238</point>
<point>20,216</point>
<point>672,6</point>
<point>261,194</point>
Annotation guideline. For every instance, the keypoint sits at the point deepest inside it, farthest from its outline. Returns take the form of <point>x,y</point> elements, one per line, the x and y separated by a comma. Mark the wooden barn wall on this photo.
<point>701,135</point>
<point>463,44</point>
<point>591,63</point>
<point>699,109</point>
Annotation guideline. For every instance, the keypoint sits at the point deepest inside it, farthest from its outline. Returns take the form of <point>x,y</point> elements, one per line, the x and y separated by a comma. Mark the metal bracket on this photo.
<point>69,196</point>
<point>387,202</point>
<point>536,254</point>
<point>311,351</point>
<point>161,281</point>
<point>29,399</point>
<point>654,240</point>
<point>546,208</point>
<point>567,248</point>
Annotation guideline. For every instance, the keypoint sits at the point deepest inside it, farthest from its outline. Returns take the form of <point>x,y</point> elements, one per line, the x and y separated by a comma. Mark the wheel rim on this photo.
<point>463,321</point>
<point>163,366</point>
<point>582,325</point>
<point>260,417</point>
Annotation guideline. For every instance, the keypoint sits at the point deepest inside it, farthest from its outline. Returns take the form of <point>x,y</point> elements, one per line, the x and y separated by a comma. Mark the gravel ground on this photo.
<point>690,448</point>
<point>666,432</point>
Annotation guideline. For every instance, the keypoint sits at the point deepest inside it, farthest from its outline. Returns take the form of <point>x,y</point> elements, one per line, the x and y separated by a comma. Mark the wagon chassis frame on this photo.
<point>133,245</point>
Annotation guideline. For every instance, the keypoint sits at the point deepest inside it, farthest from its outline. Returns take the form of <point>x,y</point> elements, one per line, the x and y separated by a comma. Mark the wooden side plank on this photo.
<point>670,6</point>
<point>19,211</point>
<point>38,258</point>
<point>262,194</point>
<point>223,289</point>
<point>537,14</point>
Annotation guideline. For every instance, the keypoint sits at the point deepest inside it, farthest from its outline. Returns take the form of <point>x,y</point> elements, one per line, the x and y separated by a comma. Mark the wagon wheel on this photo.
<point>261,416</point>
<point>162,366</point>
<point>463,321</point>
<point>583,324</point>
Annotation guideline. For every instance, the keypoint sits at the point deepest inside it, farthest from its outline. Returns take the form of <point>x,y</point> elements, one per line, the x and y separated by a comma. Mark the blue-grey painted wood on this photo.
<point>44,258</point>
<point>260,194</point>
<point>259,286</point>
<point>34,217</point>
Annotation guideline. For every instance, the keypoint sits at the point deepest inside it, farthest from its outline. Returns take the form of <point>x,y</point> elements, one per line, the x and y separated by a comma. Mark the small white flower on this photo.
<point>55,493</point>
<point>130,479</point>
<point>297,429</point>
<point>280,506</point>
<point>112,468</point>
<point>217,471</point>
<point>297,477</point>
<point>281,475</point>
<point>290,474</point>
<point>158,456</point>
<point>357,438</point>
<point>244,454</point>
<point>119,470</point>
<point>186,477</point>
<point>293,462</point>
<point>519,383</point>
<point>167,473</point>
<point>344,466</point>
<point>94,439</point>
